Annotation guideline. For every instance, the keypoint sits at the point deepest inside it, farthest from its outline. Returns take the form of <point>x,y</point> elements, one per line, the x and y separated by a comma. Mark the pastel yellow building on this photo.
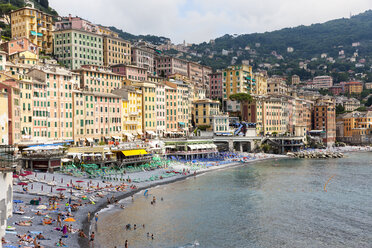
<point>131,112</point>
<point>116,51</point>
<point>204,111</point>
<point>238,79</point>
<point>35,25</point>
<point>148,90</point>
<point>25,57</point>
<point>260,84</point>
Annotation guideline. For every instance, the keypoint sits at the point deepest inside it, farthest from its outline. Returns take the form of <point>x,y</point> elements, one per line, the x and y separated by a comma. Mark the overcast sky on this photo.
<point>201,20</point>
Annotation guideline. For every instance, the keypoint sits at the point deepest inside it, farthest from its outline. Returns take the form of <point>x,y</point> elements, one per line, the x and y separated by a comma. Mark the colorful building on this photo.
<point>353,88</point>
<point>203,113</point>
<point>4,130</point>
<point>21,50</point>
<point>97,117</point>
<point>325,120</point>
<point>57,102</point>
<point>277,86</point>
<point>171,107</point>
<point>11,87</point>
<point>160,109</point>
<point>167,65</point>
<point>215,85</point>
<point>99,79</point>
<point>34,25</point>
<point>148,107</point>
<point>116,51</point>
<point>144,57</point>
<point>77,47</point>
<point>131,72</point>
<point>322,82</point>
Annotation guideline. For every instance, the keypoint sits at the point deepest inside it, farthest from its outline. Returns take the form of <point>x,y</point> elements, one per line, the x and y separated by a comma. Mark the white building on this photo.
<point>6,196</point>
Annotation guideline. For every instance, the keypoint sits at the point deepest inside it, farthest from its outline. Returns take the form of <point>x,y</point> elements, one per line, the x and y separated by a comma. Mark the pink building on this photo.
<point>70,22</point>
<point>336,90</point>
<point>167,65</point>
<point>19,45</point>
<point>215,85</point>
<point>131,72</point>
<point>160,109</point>
<point>144,57</point>
<point>195,72</point>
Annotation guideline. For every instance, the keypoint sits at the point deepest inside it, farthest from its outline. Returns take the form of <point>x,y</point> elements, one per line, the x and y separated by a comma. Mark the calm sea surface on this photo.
<point>267,204</point>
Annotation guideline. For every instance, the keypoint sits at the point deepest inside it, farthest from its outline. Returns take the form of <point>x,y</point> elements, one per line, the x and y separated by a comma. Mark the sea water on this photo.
<point>276,203</point>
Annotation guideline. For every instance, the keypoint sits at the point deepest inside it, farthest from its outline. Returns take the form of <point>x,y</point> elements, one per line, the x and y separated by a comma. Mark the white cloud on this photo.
<point>201,20</point>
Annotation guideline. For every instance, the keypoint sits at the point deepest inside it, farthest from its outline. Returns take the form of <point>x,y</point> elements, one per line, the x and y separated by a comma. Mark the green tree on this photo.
<point>340,109</point>
<point>241,97</point>
<point>369,101</point>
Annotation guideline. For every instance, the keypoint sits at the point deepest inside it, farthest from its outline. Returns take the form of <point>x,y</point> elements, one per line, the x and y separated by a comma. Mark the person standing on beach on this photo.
<point>59,222</point>
<point>91,241</point>
<point>96,217</point>
<point>88,216</point>
<point>126,243</point>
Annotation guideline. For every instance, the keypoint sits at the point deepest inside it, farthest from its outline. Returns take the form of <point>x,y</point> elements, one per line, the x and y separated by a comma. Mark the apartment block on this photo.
<point>131,72</point>
<point>325,120</point>
<point>356,127</point>
<point>148,107</point>
<point>353,88</point>
<point>276,86</point>
<point>204,112</point>
<point>77,47</point>
<point>144,57</point>
<point>195,73</point>
<point>167,65</point>
<point>116,51</point>
<point>322,82</point>
<point>131,111</point>
<point>11,87</point>
<point>97,117</point>
<point>4,129</point>
<point>99,79</point>
<point>237,79</point>
<point>56,103</point>
<point>171,107</point>
<point>34,25</point>
<point>160,109</point>
<point>215,85</point>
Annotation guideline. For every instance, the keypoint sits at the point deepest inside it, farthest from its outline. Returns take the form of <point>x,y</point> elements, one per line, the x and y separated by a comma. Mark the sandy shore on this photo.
<point>43,185</point>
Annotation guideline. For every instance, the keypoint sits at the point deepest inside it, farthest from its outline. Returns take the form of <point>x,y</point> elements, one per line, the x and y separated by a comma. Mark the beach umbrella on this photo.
<point>22,184</point>
<point>41,207</point>
<point>15,176</point>
<point>60,189</point>
<point>17,201</point>
<point>70,220</point>
<point>23,175</point>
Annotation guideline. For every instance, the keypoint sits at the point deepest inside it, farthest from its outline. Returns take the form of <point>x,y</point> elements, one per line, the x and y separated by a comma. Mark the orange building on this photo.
<point>325,120</point>
<point>353,87</point>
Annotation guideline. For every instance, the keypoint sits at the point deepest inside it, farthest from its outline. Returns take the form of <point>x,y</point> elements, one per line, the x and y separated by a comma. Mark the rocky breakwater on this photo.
<point>315,155</point>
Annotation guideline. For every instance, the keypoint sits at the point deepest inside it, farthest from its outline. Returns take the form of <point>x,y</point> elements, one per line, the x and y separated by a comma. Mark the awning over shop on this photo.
<point>151,132</point>
<point>90,140</point>
<point>181,123</point>
<point>192,147</point>
<point>139,132</point>
<point>116,137</point>
<point>170,146</point>
<point>134,152</point>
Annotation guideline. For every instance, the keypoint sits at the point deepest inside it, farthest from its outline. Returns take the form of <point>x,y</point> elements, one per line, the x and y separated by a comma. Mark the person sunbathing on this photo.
<point>24,223</point>
<point>40,236</point>
<point>60,243</point>
<point>3,241</point>
<point>82,234</point>
<point>47,222</point>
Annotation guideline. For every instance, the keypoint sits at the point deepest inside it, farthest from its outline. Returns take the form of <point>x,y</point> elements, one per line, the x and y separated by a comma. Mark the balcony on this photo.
<point>7,159</point>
